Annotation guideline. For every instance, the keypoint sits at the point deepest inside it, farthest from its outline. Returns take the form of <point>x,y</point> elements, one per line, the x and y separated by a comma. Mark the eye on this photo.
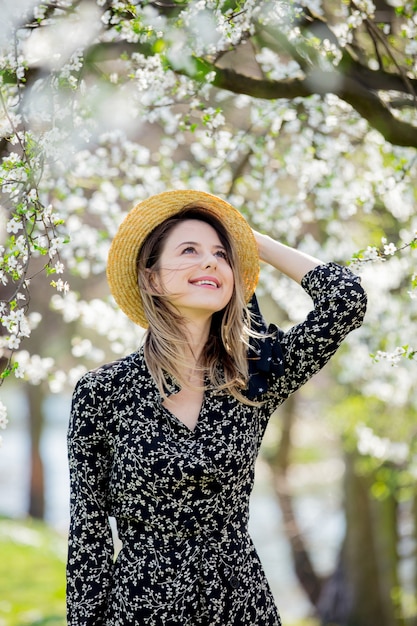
<point>189,250</point>
<point>222,254</point>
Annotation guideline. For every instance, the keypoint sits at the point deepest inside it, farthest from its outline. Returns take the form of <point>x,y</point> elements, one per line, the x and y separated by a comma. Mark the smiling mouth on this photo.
<point>208,283</point>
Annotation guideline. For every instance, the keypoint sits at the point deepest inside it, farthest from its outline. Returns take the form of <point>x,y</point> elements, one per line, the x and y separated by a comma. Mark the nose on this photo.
<point>209,260</point>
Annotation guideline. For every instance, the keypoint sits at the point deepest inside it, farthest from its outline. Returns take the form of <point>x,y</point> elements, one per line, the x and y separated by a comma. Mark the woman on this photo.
<point>165,440</point>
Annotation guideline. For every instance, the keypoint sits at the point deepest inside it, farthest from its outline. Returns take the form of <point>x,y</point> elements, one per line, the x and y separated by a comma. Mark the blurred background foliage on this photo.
<point>303,115</point>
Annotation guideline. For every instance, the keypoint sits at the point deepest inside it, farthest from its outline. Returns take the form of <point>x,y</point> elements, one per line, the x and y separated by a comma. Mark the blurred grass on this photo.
<point>32,574</point>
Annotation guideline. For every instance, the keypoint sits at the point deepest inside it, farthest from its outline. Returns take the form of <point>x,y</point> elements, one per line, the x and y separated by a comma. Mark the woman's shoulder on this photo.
<point>114,374</point>
<point>100,392</point>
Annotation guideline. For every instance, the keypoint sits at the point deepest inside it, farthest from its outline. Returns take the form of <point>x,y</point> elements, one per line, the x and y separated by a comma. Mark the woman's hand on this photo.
<point>291,262</point>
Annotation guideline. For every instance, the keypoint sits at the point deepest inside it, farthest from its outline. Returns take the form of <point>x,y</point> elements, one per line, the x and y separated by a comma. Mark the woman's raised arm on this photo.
<point>289,261</point>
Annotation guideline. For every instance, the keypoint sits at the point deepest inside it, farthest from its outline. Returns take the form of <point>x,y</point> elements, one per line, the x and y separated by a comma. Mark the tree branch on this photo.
<point>363,100</point>
<point>356,85</point>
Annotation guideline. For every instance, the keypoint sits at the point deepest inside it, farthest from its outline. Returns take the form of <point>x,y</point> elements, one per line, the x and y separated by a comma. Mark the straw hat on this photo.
<point>147,215</point>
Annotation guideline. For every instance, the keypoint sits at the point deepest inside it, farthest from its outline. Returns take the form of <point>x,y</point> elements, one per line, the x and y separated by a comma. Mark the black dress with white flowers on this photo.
<point>181,497</point>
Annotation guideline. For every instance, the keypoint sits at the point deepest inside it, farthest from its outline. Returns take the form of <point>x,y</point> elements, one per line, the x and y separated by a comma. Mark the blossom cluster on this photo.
<point>32,232</point>
<point>381,448</point>
<point>396,356</point>
<point>3,418</point>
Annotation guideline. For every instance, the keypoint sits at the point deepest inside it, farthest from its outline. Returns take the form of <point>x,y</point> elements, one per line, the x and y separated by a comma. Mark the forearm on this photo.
<point>289,261</point>
<point>90,541</point>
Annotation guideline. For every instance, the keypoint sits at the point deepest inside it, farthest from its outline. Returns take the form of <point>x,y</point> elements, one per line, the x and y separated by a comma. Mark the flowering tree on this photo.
<point>303,115</point>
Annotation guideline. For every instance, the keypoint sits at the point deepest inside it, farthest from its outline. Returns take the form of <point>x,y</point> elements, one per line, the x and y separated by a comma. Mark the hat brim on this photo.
<point>145,217</point>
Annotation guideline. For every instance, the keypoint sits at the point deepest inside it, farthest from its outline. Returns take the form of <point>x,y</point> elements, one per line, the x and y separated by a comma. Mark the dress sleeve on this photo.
<point>281,362</point>
<point>90,548</point>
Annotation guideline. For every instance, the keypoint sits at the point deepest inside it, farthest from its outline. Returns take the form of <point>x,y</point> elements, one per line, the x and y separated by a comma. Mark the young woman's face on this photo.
<point>194,271</point>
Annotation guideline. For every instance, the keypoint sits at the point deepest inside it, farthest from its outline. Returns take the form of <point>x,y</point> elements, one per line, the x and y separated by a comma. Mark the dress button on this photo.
<point>234,582</point>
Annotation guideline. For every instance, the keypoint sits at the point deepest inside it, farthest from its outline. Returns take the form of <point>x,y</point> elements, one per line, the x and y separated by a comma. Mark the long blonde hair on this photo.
<point>224,357</point>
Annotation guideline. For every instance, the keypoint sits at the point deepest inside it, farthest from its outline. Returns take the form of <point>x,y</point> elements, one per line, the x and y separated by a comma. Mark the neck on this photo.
<point>197,332</point>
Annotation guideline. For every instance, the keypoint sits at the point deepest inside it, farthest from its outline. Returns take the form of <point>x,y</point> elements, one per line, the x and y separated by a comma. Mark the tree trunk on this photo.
<point>359,593</point>
<point>384,517</point>
<point>412,611</point>
<point>307,576</point>
<point>36,506</point>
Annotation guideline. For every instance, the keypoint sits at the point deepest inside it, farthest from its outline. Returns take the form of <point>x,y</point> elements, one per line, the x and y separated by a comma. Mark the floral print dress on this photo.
<point>180,497</point>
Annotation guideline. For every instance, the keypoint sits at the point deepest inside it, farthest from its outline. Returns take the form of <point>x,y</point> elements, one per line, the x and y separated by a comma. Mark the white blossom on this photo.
<point>3,415</point>
<point>61,285</point>
<point>33,367</point>
<point>390,249</point>
<point>14,225</point>
<point>381,447</point>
